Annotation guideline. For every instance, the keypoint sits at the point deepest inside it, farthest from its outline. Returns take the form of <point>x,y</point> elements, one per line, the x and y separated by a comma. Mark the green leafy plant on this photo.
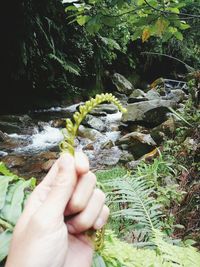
<point>14,191</point>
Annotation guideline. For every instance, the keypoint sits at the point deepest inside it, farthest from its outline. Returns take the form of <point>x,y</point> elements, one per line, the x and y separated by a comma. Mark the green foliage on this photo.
<point>13,194</point>
<point>121,254</point>
<point>145,18</point>
<point>135,194</point>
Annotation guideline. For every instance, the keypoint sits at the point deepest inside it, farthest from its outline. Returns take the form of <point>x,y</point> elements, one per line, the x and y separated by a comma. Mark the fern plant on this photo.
<point>140,207</point>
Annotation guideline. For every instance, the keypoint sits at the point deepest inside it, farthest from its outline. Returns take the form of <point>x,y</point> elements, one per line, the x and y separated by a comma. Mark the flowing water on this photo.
<point>31,134</point>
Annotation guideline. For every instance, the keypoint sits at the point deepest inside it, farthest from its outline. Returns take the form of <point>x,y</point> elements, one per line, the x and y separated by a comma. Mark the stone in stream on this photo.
<point>104,109</point>
<point>94,123</point>
<point>150,113</point>
<point>137,96</point>
<point>122,84</point>
<point>176,95</point>
<point>109,157</point>
<point>138,144</point>
<point>89,133</point>
<point>152,95</point>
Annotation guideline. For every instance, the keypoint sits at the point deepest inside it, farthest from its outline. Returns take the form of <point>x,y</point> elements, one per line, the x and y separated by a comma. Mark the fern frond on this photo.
<point>66,65</point>
<point>141,207</point>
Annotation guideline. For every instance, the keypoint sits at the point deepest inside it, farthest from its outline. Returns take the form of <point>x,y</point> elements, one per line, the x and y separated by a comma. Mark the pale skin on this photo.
<point>42,236</point>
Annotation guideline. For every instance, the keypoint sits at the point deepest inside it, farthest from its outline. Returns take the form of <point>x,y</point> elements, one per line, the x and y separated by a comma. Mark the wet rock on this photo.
<point>167,128</point>
<point>108,144</point>
<point>126,157</point>
<point>109,157</point>
<point>89,146</point>
<point>94,123</point>
<point>14,161</point>
<point>122,84</point>
<point>176,95</point>
<point>138,143</point>
<point>3,136</point>
<point>9,127</point>
<point>59,123</point>
<point>104,109</point>
<point>89,133</point>
<point>137,96</point>
<point>133,164</point>
<point>152,95</point>
<point>150,113</point>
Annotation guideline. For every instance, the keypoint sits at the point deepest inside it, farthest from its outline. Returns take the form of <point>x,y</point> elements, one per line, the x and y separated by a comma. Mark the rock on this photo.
<point>59,123</point>
<point>109,156</point>
<point>137,96</point>
<point>138,143</point>
<point>94,123</point>
<point>3,136</point>
<point>126,157</point>
<point>133,164</point>
<point>150,113</point>
<point>104,109</point>
<point>9,127</point>
<point>152,95</point>
<point>89,133</point>
<point>14,161</point>
<point>176,95</point>
<point>122,84</point>
<point>167,128</point>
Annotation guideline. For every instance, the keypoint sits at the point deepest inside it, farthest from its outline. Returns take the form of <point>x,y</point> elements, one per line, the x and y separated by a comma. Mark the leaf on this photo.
<point>184,26</point>
<point>161,25</point>
<point>93,25</point>
<point>5,171</point>
<point>145,35</point>
<point>81,20</point>
<point>4,181</point>
<point>5,239</point>
<point>178,36</point>
<point>111,42</point>
<point>14,201</point>
<point>98,261</point>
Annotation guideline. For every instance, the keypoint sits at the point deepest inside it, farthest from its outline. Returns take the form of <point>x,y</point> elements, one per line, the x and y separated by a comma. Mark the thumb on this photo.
<point>61,189</point>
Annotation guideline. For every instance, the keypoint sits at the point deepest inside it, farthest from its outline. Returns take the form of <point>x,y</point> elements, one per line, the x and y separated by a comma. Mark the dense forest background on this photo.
<point>54,52</point>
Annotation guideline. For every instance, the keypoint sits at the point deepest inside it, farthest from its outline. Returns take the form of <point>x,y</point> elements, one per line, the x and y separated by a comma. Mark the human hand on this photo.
<point>41,237</point>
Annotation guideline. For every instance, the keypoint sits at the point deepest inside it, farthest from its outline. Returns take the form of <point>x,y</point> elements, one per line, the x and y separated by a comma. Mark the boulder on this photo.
<point>104,109</point>
<point>176,95</point>
<point>166,128</point>
<point>137,96</point>
<point>109,157</point>
<point>89,133</point>
<point>94,123</point>
<point>152,95</point>
<point>122,84</point>
<point>150,113</point>
<point>137,143</point>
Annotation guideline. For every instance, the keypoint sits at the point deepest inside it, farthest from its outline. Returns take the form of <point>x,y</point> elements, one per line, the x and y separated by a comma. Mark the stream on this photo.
<point>32,139</point>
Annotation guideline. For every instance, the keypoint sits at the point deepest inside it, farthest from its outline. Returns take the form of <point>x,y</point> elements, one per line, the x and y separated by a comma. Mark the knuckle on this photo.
<point>77,204</point>
<point>84,223</point>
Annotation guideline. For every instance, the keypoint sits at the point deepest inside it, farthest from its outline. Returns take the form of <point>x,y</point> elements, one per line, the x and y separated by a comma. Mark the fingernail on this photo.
<point>71,229</point>
<point>99,223</point>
